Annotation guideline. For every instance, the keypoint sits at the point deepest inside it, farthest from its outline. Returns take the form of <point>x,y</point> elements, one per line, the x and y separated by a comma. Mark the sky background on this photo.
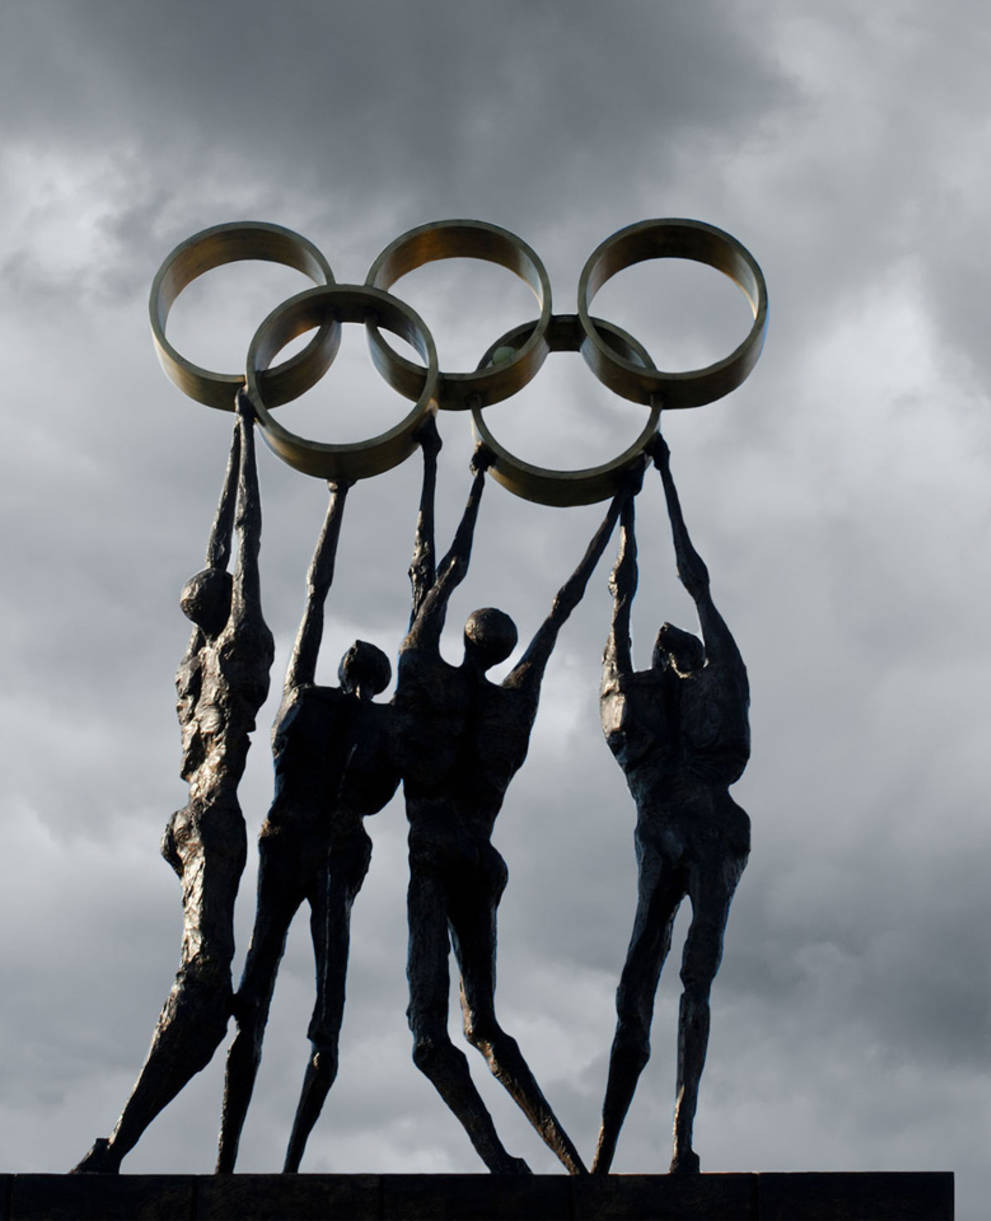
<point>840,498</point>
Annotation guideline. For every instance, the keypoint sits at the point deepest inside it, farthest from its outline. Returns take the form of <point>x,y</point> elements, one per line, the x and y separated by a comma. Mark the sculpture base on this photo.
<point>478,1197</point>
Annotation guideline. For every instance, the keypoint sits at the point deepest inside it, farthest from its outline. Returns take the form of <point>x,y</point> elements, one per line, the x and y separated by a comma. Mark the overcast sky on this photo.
<point>840,498</point>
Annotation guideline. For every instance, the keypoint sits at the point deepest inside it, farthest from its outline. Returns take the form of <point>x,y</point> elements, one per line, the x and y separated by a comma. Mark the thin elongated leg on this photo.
<point>660,893</point>
<point>330,922</point>
<point>433,1052</point>
<point>473,925</point>
<point>712,886</point>
<point>279,897</point>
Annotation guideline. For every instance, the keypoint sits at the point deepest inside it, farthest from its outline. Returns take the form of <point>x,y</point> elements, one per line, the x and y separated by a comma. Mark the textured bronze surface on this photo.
<point>232,243</point>
<point>467,239</point>
<point>221,684</point>
<point>333,766</point>
<point>680,731</point>
<point>561,487</point>
<point>460,740</point>
<point>672,239</point>
<point>339,303</point>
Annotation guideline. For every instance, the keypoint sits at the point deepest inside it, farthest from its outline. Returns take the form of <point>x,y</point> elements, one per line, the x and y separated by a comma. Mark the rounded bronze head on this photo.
<point>680,650</point>
<point>490,635</point>
<point>364,668</point>
<point>206,599</point>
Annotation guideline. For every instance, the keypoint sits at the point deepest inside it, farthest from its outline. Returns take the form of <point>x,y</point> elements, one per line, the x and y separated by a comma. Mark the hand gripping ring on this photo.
<point>471,239</point>
<point>334,304</point>
<point>565,488</point>
<point>232,243</point>
<point>671,239</point>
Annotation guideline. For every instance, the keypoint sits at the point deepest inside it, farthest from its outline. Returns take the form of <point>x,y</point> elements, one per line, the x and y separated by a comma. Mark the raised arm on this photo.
<point>303,663</point>
<point>719,643</point>
<point>428,624</point>
<point>246,599</point>
<point>618,658</point>
<point>529,671</point>
<point>218,550</point>
<point>422,570</point>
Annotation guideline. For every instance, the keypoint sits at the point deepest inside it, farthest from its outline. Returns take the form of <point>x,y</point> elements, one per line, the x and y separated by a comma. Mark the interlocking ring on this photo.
<point>470,239</point>
<point>672,239</point>
<point>617,359</point>
<point>334,304</point>
<point>232,243</point>
<point>555,487</point>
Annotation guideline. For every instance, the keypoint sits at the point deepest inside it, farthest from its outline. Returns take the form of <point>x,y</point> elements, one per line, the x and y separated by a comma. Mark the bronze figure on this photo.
<point>461,739</point>
<point>221,684</point>
<point>332,767</point>
<point>680,732</point>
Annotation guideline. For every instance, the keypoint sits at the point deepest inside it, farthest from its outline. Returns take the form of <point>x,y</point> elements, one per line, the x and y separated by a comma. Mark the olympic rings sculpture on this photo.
<point>617,359</point>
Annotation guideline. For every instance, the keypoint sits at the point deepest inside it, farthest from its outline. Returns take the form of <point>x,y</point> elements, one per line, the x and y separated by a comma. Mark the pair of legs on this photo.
<point>286,877</point>
<point>206,846</point>
<point>708,873</point>
<point>454,900</point>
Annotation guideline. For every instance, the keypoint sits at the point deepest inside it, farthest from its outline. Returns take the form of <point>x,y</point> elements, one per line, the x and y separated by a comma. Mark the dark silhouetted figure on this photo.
<point>332,767</point>
<point>221,683</point>
<point>461,739</point>
<point>680,732</point>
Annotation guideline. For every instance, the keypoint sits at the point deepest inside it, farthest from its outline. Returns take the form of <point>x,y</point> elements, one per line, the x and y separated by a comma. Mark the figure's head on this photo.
<point>490,636</point>
<point>364,670</point>
<point>206,599</point>
<point>682,651</point>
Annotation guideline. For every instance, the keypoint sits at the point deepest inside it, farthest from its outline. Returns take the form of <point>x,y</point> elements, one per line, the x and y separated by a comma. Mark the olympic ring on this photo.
<point>341,303</point>
<point>618,360</point>
<point>565,488</point>
<point>472,239</point>
<point>672,239</point>
<point>232,243</point>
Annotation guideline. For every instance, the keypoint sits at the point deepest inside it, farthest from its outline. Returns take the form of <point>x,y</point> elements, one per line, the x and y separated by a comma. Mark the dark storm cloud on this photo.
<point>839,498</point>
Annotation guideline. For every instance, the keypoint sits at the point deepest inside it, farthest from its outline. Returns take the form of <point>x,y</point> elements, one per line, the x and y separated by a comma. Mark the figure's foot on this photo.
<point>686,1162</point>
<point>100,1160</point>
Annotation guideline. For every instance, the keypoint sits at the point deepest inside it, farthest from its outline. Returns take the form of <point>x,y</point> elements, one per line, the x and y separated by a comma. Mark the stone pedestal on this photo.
<point>477,1197</point>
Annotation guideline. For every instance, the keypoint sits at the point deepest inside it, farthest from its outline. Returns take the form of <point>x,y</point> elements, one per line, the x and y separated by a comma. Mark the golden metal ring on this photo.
<point>672,239</point>
<point>229,244</point>
<point>334,304</point>
<point>470,239</point>
<point>565,488</point>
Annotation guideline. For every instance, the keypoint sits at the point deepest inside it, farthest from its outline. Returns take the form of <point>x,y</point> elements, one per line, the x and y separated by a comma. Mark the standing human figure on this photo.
<point>680,732</point>
<point>332,767</point>
<point>221,683</point>
<point>461,739</point>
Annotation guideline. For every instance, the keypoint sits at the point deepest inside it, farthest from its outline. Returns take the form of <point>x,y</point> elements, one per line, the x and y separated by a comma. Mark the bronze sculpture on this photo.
<point>456,739</point>
<point>221,684</point>
<point>332,767</point>
<point>680,732</point>
<point>461,739</point>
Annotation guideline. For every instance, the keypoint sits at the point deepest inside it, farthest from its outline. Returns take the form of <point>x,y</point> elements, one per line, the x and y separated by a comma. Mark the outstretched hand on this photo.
<point>427,436</point>
<point>482,458</point>
<point>243,407</point>
<point>631,479</point>
<point>658,450</point>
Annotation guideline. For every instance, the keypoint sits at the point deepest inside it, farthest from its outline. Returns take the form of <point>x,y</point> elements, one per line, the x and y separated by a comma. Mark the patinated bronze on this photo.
<point>221,684</point>
<point>460,740</point>
<point>680,731</point>
<point>332,767</point>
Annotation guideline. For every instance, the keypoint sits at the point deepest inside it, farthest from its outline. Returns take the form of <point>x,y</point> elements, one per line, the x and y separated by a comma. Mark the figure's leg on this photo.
<point>193,1021</point>
<point>660,890</point>
<point>433,1052</point>
<point>711,886</point>
<point>473,926</point>
<point>281,889</point>
<point>331,900</point>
